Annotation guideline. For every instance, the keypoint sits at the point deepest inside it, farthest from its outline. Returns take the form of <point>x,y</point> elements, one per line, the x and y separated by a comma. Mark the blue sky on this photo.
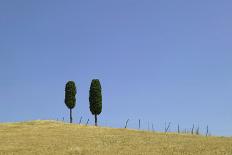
<point>157,60</point>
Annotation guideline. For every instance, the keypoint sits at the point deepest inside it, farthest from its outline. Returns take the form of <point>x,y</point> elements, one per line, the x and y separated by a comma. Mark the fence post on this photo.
<point>148,126</point>
<point>87,122</point>
<point>197,130</point>
<point>80,120</point>
<point>126,123</point>
<point>207,131</point>
<point>192,129</point>
<point>167,128</point>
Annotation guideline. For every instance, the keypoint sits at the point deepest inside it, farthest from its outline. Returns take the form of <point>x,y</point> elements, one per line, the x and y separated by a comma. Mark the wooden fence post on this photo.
<point>207,131</point>
<point>192,129</point>
<point>167,128</point>
<point>87,122</point>
<point>126,123</point>
<point>80,120</point>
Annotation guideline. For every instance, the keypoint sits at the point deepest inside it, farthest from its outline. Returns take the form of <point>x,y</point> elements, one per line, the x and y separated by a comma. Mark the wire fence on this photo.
<point>139,124</point>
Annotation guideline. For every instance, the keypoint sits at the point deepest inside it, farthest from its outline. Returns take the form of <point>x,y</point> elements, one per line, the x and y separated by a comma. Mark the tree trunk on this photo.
<point>95,120</point>
<point>70,115</point>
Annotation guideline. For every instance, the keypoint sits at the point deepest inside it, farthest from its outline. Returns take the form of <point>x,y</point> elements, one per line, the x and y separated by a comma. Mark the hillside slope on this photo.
<point>54,138</point>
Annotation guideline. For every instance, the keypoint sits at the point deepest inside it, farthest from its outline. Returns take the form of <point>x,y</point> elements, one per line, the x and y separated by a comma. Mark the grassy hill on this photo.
<point>54,138</point>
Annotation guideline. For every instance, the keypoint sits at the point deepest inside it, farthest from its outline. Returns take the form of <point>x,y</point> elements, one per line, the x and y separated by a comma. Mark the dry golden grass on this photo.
<point>56,138</point>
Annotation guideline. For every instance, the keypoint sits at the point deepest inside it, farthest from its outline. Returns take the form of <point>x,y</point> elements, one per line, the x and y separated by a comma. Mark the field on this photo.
<point>57,138</point>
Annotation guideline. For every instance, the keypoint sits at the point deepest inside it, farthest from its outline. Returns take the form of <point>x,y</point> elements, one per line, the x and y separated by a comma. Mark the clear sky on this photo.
<point>157,60</point>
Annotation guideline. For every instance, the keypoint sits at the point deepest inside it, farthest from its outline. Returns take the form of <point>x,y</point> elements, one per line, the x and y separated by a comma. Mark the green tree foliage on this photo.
<point>70,99</point>
<point>95,98</point>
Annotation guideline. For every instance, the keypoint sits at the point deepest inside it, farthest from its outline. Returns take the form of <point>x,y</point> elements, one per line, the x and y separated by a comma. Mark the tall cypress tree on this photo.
<point>95,98</point>
<point>70,99</point>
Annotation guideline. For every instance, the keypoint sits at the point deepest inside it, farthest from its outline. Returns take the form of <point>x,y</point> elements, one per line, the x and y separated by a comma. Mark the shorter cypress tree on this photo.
<point>70,99</point>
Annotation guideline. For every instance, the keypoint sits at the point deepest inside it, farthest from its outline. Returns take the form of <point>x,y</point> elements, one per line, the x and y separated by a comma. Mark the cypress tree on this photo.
<point>70,99</point>
<point>95,98</point>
